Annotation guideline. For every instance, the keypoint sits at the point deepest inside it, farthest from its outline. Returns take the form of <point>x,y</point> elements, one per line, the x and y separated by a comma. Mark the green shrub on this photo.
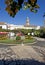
<point>28,37</point>
<point>18,38</point>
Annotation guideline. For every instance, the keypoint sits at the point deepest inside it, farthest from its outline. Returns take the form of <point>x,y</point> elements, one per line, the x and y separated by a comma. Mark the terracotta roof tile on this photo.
<point>2,23</point>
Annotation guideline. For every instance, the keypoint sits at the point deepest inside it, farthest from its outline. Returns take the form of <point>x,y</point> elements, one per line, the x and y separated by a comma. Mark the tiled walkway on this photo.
<point>22,55</point>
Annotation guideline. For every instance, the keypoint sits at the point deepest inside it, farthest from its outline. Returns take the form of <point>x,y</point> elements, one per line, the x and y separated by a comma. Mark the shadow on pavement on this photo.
<point>21,62</point>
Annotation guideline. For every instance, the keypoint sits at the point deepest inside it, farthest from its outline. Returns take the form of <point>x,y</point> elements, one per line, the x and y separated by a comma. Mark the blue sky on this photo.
<point>20,18</point>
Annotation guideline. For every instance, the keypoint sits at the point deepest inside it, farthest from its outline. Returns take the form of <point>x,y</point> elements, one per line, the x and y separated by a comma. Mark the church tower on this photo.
<point>27,22</point>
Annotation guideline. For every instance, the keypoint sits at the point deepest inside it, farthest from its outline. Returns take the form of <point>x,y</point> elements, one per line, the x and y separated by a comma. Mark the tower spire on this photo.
<point>27,21</point>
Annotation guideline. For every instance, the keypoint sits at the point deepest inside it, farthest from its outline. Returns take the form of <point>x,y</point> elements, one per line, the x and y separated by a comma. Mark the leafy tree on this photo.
<point>37,33</point>
<point>42,32</point>
<point>44,14</point>
<point>13,6</point>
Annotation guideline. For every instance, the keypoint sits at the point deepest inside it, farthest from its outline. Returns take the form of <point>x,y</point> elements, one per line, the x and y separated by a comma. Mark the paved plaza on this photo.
<point>10,54</point>
<point>23,54</point>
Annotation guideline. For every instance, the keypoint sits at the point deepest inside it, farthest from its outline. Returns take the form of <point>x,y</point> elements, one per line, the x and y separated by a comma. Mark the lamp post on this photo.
<point>44,20</point>
<point>44,23</point>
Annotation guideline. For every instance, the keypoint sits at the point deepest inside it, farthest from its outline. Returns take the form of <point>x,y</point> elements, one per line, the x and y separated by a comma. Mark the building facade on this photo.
<point>4,25</point>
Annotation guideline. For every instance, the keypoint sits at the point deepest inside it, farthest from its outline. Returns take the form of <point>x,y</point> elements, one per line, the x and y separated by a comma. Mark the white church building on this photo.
<point>4,25</point>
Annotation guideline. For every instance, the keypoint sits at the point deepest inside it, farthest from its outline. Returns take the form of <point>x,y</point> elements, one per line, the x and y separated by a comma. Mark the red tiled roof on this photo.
<point>2,23</point>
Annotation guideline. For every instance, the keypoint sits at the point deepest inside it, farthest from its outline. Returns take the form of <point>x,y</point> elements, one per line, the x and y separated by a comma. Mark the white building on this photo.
<point>12,26</point>
<point>26,26</point>
<point>3,25</point>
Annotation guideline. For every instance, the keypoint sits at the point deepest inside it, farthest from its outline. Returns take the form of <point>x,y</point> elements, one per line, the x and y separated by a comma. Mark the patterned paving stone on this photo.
<point>40,51</point>
<point>7,53</point>
<point>17,55</point>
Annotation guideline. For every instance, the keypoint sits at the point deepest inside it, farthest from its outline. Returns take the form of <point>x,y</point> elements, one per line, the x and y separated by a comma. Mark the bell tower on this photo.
<point>27,22</point>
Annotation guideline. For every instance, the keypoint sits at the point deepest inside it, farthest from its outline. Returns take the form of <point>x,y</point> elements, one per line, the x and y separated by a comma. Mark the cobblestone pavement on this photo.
<point>40,51</point>
<point>7,53</point>
<point>22,55</point>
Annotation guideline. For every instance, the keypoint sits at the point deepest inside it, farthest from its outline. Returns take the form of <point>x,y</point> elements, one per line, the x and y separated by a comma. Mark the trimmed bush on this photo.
<point>28,37</point>
<point>3,38</point>
<point>18,38</point>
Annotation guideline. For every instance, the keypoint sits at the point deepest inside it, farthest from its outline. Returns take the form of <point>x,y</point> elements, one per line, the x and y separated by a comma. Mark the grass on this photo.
<point>10,41</point>
<point>6,41</point>
<point>29,40</point>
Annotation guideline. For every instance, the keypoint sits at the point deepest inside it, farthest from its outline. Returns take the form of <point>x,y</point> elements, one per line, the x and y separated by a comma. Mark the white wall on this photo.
<point>38,27</point>
<point>4,26</point>
<point>12,27</point>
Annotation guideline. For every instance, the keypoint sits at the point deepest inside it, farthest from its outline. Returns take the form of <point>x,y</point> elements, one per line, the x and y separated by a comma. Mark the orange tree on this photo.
<point>13,6</point>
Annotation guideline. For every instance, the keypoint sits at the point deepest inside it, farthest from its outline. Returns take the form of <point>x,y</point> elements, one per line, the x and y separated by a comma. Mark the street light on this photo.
<point>44,20</point>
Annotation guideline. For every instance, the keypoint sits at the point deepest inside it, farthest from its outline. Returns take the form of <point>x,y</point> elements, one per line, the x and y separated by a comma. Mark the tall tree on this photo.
<point>13,6</point>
